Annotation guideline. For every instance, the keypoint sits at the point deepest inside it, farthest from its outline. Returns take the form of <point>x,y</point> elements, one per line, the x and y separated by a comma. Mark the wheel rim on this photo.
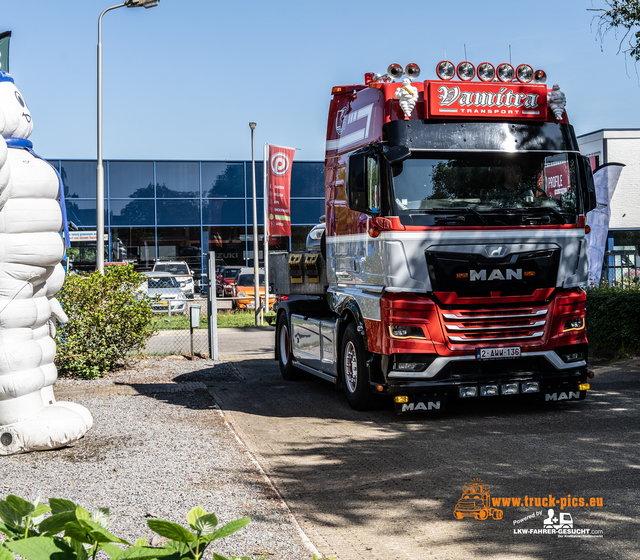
<point>350,367</point>
<point>284,345</point>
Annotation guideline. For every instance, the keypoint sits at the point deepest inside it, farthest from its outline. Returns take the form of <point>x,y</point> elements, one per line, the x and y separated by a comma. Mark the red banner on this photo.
<point>279,189</point>
<point>487,100</point>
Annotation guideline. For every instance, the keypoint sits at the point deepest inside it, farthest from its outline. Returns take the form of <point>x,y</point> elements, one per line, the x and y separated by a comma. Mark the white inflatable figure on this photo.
<point>408,96</point>
<point>31,249</point>
<point>557,101</point>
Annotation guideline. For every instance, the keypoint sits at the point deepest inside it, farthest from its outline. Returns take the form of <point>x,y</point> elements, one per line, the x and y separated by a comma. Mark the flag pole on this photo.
<point>265,164</point>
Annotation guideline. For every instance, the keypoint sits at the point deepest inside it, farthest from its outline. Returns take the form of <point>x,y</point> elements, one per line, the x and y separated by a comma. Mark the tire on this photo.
<point>482,514</point>
<point>457,515</point>
<point>355,381</point>
<point>497,514</point>
<point>283,345</point>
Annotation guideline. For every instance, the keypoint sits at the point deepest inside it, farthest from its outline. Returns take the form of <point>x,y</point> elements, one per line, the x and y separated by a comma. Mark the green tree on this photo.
<point>623,15</point>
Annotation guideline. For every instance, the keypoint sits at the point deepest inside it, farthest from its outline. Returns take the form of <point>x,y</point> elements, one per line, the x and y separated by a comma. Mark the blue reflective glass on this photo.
<point>130,179</point>
<point>79,179</point>
<point>307,179</point>
<point>132,212</point>
<point>259,206</point>
<point>177,179</point>
<point>306,211</point>
<point>222,212</point>
<point>178,212</point>
<point>82,212</point>
<point>259,180</point>
<point>220,179</point>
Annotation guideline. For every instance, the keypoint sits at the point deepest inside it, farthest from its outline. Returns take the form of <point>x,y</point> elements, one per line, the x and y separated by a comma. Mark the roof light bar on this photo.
<point>486,72</point>
<point>506,72</point>
<point>445,70</point>
<point>524,73</point>
<point>466,71</point>
<point>540,77</point>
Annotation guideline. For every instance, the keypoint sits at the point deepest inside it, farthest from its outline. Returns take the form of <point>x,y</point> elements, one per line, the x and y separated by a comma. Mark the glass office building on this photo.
<point>181,210</point>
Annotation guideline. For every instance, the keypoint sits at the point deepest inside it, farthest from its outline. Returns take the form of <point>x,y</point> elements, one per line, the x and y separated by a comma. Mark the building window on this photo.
<point>129,212</point>
<point>79,179</point>
<point>131,179</point>
<point>177,179</point>
<point>222,180</point>
<point>223,212</point>
<point>179,211</point>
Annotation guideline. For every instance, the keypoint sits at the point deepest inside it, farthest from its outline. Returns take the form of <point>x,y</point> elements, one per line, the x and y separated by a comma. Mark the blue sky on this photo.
<point>183,80</point>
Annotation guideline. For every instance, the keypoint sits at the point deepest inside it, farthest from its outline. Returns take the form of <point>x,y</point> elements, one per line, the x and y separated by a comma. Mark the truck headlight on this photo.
<point>240,294</point>
<point>530,387</point>
<point>489,390</point>
<point>574,324</point>
<point>402,331</point>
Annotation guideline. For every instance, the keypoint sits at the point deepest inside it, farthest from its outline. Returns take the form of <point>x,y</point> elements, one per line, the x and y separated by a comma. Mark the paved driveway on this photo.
<point>376,485</point>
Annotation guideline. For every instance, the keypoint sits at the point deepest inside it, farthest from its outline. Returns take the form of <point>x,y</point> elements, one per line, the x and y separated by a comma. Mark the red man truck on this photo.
<point>454,260</point>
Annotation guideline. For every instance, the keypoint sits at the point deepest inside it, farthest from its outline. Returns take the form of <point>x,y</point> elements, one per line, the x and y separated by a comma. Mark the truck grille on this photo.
<point>494,325</point>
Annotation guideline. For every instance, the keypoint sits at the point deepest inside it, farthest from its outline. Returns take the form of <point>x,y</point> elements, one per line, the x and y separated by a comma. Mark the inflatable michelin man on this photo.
<point>31,249</point>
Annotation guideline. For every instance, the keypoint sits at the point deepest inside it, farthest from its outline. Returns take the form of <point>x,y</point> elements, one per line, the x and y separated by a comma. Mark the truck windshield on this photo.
<point>486,188</point>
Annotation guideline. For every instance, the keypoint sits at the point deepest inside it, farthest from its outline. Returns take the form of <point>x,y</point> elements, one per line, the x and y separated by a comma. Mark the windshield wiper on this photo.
<point>460,209</point>
<point>543,209</point>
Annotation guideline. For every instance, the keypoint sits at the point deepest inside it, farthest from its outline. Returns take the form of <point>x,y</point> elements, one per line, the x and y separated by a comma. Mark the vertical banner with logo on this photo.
<point>606,179</point>
<point>279,190</point>
<point>4,50</point>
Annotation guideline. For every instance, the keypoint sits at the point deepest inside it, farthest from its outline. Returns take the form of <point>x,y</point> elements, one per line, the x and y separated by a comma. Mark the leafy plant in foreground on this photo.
<point>33,535</point>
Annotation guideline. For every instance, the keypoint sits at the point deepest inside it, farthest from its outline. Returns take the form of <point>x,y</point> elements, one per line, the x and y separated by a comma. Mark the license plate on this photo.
<point>497,353</point>
<point>251,306</point>
<point>162,304</point>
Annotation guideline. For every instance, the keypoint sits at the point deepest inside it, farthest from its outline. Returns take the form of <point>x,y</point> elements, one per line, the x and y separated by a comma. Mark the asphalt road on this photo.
<point>376,485</point>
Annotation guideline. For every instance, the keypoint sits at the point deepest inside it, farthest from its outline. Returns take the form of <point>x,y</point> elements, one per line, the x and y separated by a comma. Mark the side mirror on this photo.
<point>363,183</point>
<point>396,154</point>
<point>589,191</point>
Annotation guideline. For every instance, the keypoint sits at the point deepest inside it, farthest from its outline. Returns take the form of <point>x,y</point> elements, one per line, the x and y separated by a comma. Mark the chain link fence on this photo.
<point>174,334</point>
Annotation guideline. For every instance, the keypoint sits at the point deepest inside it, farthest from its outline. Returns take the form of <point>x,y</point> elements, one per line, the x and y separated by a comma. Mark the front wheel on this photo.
<point>355,380</point>
<point>283,344</point>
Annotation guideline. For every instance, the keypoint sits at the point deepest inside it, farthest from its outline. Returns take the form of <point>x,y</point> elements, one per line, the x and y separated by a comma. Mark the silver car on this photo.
<point>164,289</point>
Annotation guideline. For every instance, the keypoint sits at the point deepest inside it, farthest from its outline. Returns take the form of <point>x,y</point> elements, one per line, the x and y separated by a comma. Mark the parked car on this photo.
<point>315,237</point>
<point>225,280</point>
<point>164,289</point>
<point>181,271</point>
<point>245,288</point>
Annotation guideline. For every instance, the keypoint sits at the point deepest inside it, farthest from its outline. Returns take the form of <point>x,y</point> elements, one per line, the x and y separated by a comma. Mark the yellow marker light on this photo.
<point>401,399</point>
<point>460,275</point>
<point>582,387</point>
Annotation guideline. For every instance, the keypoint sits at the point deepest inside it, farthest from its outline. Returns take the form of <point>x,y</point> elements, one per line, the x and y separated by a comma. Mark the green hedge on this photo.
<point>613,319</point>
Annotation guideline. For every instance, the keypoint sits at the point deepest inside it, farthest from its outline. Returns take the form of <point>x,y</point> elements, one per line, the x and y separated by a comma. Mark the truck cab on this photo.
<point>455,251</point>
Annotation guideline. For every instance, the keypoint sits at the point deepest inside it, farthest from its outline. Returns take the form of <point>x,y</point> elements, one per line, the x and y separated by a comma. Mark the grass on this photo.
<point>233,319</point>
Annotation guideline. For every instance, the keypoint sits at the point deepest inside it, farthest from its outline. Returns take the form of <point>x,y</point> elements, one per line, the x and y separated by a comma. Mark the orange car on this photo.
<point>245,289</point>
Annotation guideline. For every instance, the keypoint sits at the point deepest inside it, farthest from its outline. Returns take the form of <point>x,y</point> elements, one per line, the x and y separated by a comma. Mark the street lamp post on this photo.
<point>256,263</point>
<point>99,168</point>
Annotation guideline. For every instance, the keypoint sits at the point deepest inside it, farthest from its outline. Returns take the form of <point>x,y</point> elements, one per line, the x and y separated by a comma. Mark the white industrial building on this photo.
<point>614,145</point>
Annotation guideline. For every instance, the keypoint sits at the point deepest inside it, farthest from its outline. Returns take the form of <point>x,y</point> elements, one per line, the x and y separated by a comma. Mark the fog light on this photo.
<point>584,386</point>
<point>410,366</point>
<point>489,390</point>
<point>510,389</point>
<point>401,399</point>
<point>530,387</point>
<point>466,392</point>
<point>573,357</point>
